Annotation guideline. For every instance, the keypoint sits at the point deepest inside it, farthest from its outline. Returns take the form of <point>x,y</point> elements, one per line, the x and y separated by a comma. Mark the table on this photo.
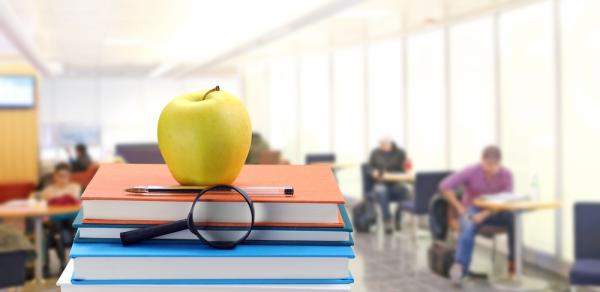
<point>398,177</point>
<point>520,282</point>
<point>37,210</point>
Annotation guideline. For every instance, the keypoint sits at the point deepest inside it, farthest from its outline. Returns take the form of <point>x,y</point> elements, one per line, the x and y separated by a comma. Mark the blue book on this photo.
<point>196,262</point>
<point>259,235</point>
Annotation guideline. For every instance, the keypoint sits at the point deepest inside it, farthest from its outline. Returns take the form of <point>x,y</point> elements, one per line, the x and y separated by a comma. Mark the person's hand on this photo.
<point>460,209</point>
<point>479,217</point>
<point>376,174</point>
<point>68,150</point>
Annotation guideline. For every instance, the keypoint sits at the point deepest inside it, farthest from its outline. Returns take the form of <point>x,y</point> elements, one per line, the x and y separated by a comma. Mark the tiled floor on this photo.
<point>397,263</point>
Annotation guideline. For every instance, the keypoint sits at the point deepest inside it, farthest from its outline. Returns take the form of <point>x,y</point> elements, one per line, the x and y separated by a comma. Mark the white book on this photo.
<point>66,285</point>
<point>505,197</point>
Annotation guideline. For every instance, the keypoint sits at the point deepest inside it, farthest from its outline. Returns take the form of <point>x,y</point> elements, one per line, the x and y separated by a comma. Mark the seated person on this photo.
<point>82,160</point>
<point>61,191</point>
<point>61,184</point>
<point>485,178</point>
<point>385,159</point>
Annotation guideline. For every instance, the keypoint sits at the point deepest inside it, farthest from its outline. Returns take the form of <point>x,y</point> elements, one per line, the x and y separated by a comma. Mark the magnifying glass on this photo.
<point>207,220</point>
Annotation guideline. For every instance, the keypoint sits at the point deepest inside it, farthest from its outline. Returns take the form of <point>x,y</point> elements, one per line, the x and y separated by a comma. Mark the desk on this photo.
<point>36,210</point>
<point>520,282</point>
<point>336,166</point>
<point>399,177</point>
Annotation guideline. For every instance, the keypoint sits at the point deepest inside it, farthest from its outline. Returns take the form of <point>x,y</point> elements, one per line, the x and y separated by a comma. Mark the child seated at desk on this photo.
<point>61,191</point>
<point>61,185</point>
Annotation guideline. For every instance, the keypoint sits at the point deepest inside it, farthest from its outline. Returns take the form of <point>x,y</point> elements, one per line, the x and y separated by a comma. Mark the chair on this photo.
<point>15,190</point>
<point>83,178</point>
<point>367,180</point>
<point>12,265</point>
<point>140,153</point>
<point>368,184</point>
<point>320,158</point>
<point>586,268</point>
<point>426,186</point>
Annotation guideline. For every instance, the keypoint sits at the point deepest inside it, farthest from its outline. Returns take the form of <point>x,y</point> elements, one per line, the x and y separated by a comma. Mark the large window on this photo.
<point>283,97</point>
<point>472,98</point>
<point>255,96</point>
<point>315,104</point>
<point>581,105</point>
<point>349,105</point>
<point>528,112</point>
<point>426,101</point>
<point>385,91</point>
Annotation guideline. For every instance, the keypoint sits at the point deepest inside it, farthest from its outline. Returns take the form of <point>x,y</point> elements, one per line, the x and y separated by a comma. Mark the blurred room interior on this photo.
<point>324,81</point>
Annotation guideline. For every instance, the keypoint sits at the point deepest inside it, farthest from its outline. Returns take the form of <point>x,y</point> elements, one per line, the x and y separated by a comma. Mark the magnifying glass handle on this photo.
<point>141,234</point>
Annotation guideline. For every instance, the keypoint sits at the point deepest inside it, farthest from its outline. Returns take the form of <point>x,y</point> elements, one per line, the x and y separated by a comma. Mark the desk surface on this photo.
<point>28,208</point>
<point>399,177</point>
<point>516,205</point>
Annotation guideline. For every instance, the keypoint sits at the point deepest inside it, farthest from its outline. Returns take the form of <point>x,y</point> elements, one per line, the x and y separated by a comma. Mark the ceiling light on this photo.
<point>55,67</point>
<point>161,70</point>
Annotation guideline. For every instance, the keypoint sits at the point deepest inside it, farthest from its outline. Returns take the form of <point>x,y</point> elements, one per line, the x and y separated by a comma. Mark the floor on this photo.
<point>398,263</point>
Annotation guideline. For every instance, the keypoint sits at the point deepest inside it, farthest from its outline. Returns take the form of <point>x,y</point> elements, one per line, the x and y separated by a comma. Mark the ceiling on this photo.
<point>181,37</point>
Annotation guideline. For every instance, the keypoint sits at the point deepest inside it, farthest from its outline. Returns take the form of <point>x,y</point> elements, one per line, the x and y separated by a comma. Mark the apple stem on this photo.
<point>212,90</point>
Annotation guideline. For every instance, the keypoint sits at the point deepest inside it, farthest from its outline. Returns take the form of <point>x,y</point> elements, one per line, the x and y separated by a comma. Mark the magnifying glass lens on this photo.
<point>222,217</point>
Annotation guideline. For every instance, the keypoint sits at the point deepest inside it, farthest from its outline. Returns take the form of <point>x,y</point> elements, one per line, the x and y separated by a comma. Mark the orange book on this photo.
<point>314,203</point>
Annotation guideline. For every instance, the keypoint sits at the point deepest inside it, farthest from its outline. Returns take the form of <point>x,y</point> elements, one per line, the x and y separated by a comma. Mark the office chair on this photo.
<point>13,269</point>
<point>426,186</point>
<point>320,158</point>
<point>367,186</point>
<point>586,268</point>
<point>140,153</point>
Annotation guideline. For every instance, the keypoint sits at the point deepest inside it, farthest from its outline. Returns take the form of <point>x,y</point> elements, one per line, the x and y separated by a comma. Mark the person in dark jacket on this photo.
<point>82,160</point>
<point>388,158</point>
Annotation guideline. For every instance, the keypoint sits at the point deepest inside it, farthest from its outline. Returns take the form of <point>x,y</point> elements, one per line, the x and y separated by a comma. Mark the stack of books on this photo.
<point>298,243</point>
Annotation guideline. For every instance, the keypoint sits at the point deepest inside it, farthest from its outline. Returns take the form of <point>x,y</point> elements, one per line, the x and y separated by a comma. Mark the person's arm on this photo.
<point>47,193</point>
<point>375,172</point>
<point>447,187</point>
<point>509,182</point>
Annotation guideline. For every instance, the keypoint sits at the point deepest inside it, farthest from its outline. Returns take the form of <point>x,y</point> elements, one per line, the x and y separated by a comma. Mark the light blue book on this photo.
<point>67,284</point>
<point>190,263</point>
<point>259,235</point>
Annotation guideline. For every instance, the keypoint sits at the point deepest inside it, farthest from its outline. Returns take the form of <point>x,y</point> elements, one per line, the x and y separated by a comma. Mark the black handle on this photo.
<point>137,235</point>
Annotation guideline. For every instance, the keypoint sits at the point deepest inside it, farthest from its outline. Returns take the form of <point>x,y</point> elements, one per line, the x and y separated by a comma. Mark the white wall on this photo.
<point>123,110</point>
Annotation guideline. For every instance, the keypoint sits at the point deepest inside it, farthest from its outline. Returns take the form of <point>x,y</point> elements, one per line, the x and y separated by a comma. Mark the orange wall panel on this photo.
<point>19,135</point>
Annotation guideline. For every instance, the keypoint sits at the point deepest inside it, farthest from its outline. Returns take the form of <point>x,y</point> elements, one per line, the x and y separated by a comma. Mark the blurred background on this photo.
<point>441,78</point>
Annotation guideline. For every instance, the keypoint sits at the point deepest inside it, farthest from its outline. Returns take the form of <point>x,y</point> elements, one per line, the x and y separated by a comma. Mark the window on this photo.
<point>528,112</point>
<point>472,97</point>
<point>426,101</point>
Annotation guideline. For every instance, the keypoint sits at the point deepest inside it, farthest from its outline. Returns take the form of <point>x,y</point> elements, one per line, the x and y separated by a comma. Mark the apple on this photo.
<point>204,137</point>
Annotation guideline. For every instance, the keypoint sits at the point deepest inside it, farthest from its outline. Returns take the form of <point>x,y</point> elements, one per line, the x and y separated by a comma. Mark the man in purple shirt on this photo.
<point>485,178</point>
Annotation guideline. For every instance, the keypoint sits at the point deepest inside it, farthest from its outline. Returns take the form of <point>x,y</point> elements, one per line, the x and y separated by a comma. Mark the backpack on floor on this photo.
<point>440,257</point>
<point>363,216</point>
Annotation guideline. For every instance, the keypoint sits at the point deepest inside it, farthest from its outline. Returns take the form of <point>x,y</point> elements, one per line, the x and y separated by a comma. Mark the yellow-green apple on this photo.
<point>204,137</point>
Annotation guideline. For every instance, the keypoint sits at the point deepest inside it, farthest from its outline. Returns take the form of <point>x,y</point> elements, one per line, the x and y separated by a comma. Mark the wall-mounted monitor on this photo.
<point>17,91</point>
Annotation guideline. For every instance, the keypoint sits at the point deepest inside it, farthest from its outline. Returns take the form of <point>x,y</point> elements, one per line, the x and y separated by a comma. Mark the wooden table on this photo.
<point>37,210</point>
<point>520,282</point>
<point>399,177</point>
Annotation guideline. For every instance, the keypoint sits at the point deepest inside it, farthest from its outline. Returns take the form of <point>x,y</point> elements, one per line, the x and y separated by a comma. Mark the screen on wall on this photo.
<point>17,91</point>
